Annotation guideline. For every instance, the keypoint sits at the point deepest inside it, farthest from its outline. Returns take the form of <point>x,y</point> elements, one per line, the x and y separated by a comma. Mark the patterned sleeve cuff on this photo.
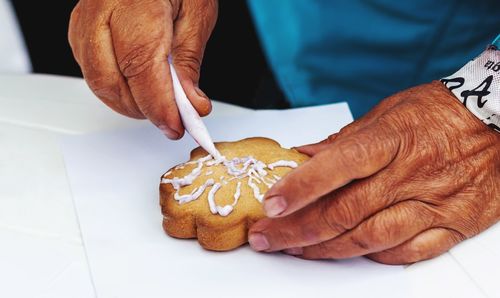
<point>477,85</point>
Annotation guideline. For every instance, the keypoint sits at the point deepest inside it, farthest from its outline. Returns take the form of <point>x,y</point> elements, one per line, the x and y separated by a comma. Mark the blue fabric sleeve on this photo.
<point>362,51</point>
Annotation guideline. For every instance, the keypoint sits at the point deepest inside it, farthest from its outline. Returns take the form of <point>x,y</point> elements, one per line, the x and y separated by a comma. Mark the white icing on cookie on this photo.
<point>211,198</point>
<point>255,188</point>
<point>177,183</point>
<point>237,168</point>
<point>196,193</point>
<point>283,163</point>
<point>222,210</point>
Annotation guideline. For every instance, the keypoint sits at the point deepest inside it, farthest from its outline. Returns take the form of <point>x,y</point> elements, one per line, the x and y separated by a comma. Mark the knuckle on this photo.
<point>73,31</point>
<point>376,232</point>
<point>375,235</point>
<point>467,223</point>
<point>386,257</point>
<point>103,87</point>
<point>389,257</point>
<point>204,108</point>
<point>75,50</point>
<point>282,238</point>
<point>311,232</point>
<point>175,5</point>
<point>345,207</point>
<point>189,61</point>
<point>353,151</point>
<point>75,13</point>
<point>455,237</point>
<point>345,216</point>
<point>110,92</point>
<point>201,14</point>
<point>348,128</point>
<point>396,257</point>
<point>400,126</point>
<point>380,257</point>
<point>72,39</point>
<point>138,60</point>
<point>414,253</point>
<point>209,6</point>
<point>332,137</point>
<point>335,216</point>
<point>361,242</point>
<point>155,113</point>
<point>322,250</point>
<point>364,153</point>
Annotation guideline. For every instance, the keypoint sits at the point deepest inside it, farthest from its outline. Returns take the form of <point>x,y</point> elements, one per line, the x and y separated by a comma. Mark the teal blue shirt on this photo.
<point>362,51</point>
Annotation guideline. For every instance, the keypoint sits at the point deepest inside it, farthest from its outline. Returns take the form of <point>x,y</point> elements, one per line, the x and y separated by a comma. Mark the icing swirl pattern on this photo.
<point>237,168</point>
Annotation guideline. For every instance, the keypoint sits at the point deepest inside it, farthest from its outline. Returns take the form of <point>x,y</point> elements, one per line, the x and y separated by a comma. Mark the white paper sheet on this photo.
<point>114,178</point>
<point>35,266</point>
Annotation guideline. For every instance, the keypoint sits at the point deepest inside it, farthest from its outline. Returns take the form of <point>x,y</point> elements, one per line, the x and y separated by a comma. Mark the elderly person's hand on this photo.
<point>122,47</point>
<point>411,179</point>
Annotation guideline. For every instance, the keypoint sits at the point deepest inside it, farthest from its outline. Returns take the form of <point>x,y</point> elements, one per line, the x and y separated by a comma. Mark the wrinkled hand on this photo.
<point>408,181</point>
<point>122,48</point>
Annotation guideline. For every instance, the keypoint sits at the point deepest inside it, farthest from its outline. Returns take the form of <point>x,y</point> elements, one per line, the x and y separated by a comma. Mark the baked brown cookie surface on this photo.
<point>217,200</point>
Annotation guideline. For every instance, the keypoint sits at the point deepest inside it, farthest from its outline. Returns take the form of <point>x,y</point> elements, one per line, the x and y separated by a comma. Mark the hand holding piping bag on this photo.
<point>122,50</point>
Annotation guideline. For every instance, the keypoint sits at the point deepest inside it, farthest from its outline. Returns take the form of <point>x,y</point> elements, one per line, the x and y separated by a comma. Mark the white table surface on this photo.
<point>41,251</point>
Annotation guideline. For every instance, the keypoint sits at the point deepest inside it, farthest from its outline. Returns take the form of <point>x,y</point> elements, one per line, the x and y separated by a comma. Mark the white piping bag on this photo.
<point>190,117</point>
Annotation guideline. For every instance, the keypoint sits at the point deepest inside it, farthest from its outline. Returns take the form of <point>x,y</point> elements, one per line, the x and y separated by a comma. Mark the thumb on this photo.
<point>193,26</point>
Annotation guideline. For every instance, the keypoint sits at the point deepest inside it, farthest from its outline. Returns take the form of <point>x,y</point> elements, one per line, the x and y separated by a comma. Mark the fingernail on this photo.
<point>274,206</point>
<point>258,242</point>
<point>170,133</point>
<point>294,251</point>
<point>200,93</point>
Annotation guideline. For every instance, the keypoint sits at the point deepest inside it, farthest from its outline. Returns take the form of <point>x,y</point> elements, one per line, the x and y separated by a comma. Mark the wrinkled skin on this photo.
<point>122,48</point>
<point>405,183</point>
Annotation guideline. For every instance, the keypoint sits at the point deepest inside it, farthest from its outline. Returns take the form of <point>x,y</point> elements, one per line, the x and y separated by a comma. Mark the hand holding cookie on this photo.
<point>398,186</point>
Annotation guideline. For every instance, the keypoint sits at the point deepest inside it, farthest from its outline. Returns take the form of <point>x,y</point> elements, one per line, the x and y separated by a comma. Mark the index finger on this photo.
<point>351,157</point>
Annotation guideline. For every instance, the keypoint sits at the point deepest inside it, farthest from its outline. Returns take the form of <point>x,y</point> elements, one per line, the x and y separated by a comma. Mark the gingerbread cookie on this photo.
<point>216,200</point>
